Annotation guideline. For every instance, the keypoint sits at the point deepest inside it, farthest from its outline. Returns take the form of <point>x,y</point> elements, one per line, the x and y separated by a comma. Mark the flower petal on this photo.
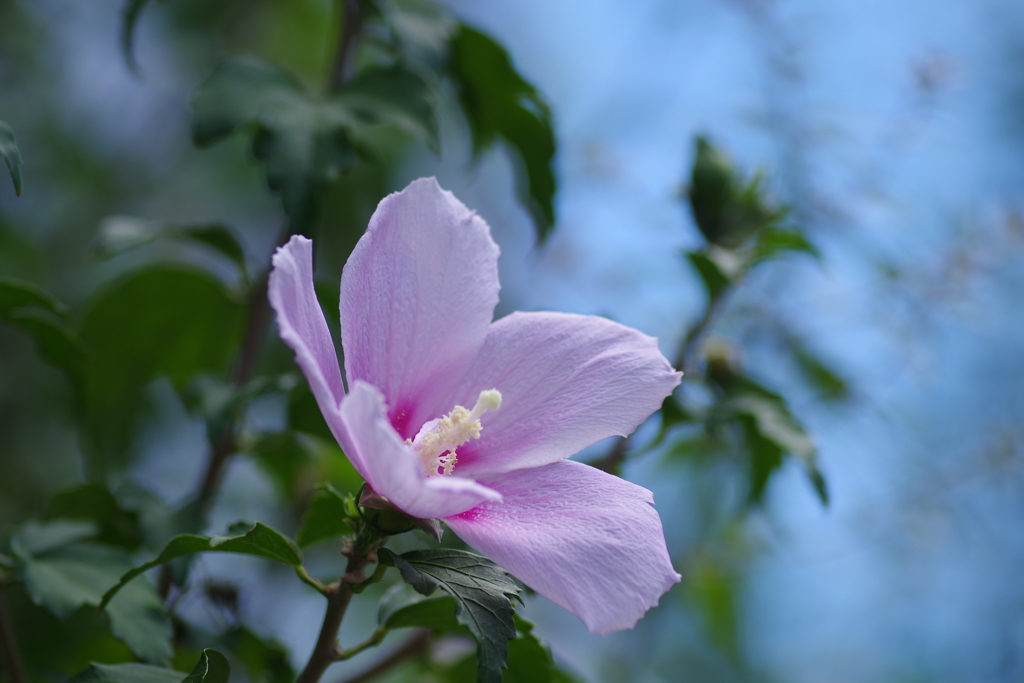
<point>391,468</point>
<point>586,540</point>
<point>417,295</point>
<point>567,381</point>
<point>302,326</point>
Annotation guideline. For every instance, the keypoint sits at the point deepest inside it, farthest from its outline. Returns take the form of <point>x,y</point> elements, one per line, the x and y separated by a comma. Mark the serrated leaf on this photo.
<point>482,592</point>
<point>212,667</point>
<point>9,151</point>
<point>326,517</point>
<point>127,673</point>
<point>500,103</point>
<point>118,234</point>
<point>62,574</point>
<point>156,322</point>
<point>305,142</point>
<point>257,540</point>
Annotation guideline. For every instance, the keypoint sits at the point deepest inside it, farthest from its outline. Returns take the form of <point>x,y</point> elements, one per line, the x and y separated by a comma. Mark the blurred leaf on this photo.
<point>711,274</point>
<point>212,667</point>
<point>258,540</point>
<point>712,587</point>
<point>499,103</point>
<point>482,592</point>
<point>774,241</point>
<point>265,661</point>
<point>423,29</point>
<point>18,293</point>
<point>129,18</point>
<point>304,141</point>
<point>727,210</point>
<point>529,661</point>
<point>55,343</point>
<point>127,673</point>
<point>819,375</point>
<point>95,503</point>
<point>285,458</point>
<point>158,321</point>
<point>62,574</point>
<point>304,414</point>
<point>9,151</point>
<point>672,414</point>
<point>118,234</point>
<point>326,517</point>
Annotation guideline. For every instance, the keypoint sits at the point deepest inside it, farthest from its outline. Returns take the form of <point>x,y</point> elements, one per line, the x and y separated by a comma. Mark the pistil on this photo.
<point>437,440</point>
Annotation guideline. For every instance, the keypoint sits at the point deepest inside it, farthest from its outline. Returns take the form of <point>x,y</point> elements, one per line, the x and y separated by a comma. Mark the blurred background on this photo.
<point>892,131</point>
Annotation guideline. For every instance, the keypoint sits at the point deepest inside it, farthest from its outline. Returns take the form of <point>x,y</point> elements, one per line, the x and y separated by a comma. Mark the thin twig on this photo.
<point>339,595</point>
<point>9,648</point>
<point>414,647</point>
<point>350,15</point>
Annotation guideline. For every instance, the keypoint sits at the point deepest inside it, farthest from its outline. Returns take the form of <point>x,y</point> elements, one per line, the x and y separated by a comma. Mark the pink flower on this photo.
<point>452,416</point>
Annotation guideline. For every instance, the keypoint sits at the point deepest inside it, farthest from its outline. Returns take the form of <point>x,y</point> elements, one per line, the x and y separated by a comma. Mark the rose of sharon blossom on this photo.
<point>452,416</point>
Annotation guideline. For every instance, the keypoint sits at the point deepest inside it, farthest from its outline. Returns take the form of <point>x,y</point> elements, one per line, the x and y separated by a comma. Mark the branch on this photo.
<point>350,13</point>
<point>8,647</point>
<point>414,647</point>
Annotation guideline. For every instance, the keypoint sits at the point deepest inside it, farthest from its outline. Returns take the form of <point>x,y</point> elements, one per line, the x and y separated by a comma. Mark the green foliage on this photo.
<point>327,515</point>
<point>499,103</point>
<point>242,538</point>
<point>156,322</point>
<point>38,313</point>
<point>482,593</point>
<point>212,667</point>
<point>130,17</point>
<point>9,151</point>
<point>265,661</point>
<point>304,141</point>
<point>728,210</point>
<point>119,234</point>
<point>62,572</point>
<point>115,525</point>
<point>423,31</point>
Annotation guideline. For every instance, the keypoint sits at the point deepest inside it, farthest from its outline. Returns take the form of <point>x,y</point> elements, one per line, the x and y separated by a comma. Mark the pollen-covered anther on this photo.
<point>437,440</point>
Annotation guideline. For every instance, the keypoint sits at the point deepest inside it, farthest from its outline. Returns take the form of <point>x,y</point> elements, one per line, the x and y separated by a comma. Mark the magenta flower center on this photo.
<point>437,440</point>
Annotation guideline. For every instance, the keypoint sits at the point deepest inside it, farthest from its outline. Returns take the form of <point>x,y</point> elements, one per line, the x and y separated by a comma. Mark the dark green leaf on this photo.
<point>258,540</point>
<point>530,660</point>
<point>499,103</point>
<point>305,142</point>
<point>62,575</point>
<point>18,293</point>
<point>212,667</point>
<point>304,414</point>
<point>127,673</point>
<point>265,661</point>
<point>818,374</point>
<point>55,343</point>
<point>287,458</point>
<point>711,273</point>
<point>482,592</point>
<point>9,151</point>
<point>95,503</point>
<point>118,234</point>
<point>774,241</point>
<point>157,322</point>
<point>403,607</point>
<point>326,517</point>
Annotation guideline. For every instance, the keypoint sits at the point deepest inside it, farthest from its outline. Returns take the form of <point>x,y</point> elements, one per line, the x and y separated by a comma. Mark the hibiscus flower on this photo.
<point>451,416</point>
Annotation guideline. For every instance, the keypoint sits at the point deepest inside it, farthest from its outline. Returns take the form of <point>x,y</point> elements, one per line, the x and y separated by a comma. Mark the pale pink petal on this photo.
<point>567,381</point>
<point>391,468</point>
<point>302,326</point>
<point>417,295</point>
<point>586,540</point>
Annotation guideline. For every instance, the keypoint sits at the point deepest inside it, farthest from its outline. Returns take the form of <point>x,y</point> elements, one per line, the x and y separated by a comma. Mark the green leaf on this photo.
<point>711,274</point>
<point>118,234</point>
<point>95,503</point>
<point>403,607</point>
<point>306,142</point>
<point>16,294</point>
<point>499,103</point>
<point>774,241</point>
<point>127,673</point>
<point>212,667</point>
<point>265,661</point>
<point>62,574</point>
<point>326,517</point>
<point>287,458</point>
<point>530,660</point>
<point>482,592</point>
<point>818,374</point>
<point>257,540</point>
<point>9,151</point>
<point>423,29</point>
<point>157,322</point>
